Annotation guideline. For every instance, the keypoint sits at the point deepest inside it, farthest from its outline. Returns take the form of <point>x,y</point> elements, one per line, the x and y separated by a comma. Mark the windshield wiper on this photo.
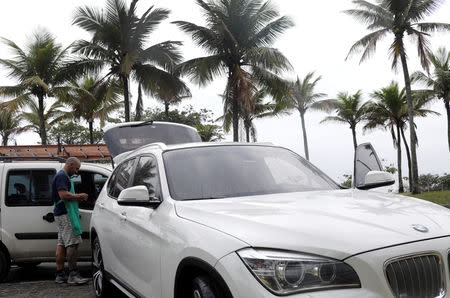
<point>206,198</point>
<point>148,122</point>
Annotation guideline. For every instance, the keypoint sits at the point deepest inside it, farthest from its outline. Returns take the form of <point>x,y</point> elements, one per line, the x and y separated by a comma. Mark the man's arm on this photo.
<point>65,195</point>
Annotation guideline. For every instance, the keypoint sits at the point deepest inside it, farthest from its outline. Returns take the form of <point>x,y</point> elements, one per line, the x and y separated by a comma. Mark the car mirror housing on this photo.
<point>375,179</point>
<point>137,196</point>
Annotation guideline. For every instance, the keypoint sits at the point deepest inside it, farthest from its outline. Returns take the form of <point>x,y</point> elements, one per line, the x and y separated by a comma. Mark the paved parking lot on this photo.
<point>39,282</point>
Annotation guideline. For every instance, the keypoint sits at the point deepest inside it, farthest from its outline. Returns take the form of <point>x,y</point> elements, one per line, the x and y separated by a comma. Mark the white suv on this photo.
<point>208,220</point>
<point>28,234</point>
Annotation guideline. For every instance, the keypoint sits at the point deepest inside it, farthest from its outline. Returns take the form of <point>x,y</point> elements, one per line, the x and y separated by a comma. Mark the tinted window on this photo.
<point>29,188</point>
<point>120,178</point>
<point>232,171</point>
<point>147,174</point>
<point>125,138</point>
<point>90,183</point>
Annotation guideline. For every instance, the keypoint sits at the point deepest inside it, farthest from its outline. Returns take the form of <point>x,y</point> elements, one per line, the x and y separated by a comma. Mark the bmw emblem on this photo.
<point>420,228</point>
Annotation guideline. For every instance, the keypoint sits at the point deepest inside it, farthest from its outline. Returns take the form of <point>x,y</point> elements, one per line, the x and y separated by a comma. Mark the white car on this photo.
<point>28,234</point>
<point>208,220</point>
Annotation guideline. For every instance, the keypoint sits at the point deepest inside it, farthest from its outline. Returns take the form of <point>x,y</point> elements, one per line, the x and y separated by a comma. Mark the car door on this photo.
<point>90,179</point>
<point>28,230</point>
<point>109,219</point>
<point>138,247</point>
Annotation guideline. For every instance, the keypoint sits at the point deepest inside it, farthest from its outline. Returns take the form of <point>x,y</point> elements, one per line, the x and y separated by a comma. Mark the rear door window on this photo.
<point>147,174</point>
<point>29,188</point>
<point>90,183</point>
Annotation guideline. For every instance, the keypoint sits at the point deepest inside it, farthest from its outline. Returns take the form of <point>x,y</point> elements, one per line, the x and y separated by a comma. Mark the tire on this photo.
<point>102,287</point>
<point>28,265</point>
<point>203,287</point>
<point>5,265</point>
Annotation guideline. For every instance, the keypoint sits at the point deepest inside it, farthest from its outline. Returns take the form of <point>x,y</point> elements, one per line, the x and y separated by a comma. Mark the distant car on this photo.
<point>28,234</point>
<point>209,220</point>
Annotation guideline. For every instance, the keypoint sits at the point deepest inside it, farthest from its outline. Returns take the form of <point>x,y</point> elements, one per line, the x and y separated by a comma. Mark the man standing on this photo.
<point>68,221</point>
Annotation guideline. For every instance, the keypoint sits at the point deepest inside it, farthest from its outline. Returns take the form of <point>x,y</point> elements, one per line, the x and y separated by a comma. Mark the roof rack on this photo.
<point>12,158</point>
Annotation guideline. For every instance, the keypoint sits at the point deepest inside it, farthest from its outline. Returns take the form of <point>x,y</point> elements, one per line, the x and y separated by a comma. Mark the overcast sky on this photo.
<point>319,42</point>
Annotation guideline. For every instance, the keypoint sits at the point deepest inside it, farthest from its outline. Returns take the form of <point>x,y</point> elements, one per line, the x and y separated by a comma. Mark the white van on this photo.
<point>28,234</point>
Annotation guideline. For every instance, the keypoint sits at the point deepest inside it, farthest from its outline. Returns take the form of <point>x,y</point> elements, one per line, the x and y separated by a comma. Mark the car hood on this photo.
<point>336,224</point>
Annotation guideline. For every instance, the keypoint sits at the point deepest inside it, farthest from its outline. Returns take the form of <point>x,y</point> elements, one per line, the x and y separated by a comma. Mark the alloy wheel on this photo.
<point>97,268</point>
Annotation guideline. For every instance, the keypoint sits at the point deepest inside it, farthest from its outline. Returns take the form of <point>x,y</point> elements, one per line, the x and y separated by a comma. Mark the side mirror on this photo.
<point>375,179</point>
<point>137,196</point>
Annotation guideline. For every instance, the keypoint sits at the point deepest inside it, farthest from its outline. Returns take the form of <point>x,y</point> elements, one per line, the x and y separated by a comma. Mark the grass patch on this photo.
<point>439,197</point>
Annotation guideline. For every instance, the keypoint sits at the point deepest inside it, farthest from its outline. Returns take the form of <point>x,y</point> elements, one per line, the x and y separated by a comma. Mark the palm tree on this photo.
<point>41,68</point>
<point>388,112</point>
<point>91,99</point>
<point>118,41</point>
<point>258,109</point>
<point>237,37</point>
<point>398,18</point>
<point>301,98</point>
<point>9,124</point>
<point>52,116</point>
<point>439,80</point>
<point>209,132</point>
<point>171,97</point>
<point>349,109</point>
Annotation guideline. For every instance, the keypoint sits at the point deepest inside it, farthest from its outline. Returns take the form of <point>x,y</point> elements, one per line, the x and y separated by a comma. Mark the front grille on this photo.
<point>416,276</point>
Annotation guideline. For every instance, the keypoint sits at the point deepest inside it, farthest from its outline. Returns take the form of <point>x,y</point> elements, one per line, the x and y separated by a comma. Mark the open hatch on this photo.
<point>129,136</point>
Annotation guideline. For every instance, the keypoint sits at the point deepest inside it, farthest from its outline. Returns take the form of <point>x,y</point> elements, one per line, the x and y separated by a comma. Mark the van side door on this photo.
<point>28,230</point>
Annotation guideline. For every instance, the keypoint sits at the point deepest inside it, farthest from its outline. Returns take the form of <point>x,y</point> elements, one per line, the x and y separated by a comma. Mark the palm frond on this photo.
<point>368,42</point>
<point>204,69</point>
<point>268,58</point>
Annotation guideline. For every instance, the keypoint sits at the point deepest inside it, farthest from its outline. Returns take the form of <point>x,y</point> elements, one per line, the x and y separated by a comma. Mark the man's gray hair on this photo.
<point>73,161</point>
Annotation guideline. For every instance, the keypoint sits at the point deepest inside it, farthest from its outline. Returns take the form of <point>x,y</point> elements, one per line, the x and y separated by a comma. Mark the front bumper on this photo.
<point>369,267</point>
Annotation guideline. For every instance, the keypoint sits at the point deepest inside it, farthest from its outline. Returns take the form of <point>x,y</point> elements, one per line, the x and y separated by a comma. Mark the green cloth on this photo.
<point>72,210</point>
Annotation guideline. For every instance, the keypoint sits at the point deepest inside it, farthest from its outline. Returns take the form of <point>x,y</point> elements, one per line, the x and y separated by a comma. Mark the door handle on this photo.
<point>49,217</point>
<point>123,216</point>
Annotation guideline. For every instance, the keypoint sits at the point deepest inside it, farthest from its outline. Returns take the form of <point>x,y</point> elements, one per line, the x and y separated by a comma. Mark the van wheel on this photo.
<point>203,287</point>
<point>5,265</point>
<point>102,287</point>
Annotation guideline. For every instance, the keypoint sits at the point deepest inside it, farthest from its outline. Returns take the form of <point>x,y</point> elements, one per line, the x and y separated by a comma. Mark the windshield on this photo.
<point>233,171</point>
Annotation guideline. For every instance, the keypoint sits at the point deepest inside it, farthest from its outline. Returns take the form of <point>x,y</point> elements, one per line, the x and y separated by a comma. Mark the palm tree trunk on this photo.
<point>5,140</point>
<point>139,105</point>
<point>399,161</point>
<point>355,143</point>
<point>42,130</point>
<point>91,132</point>
<point>235,109</point>
<point>408,155</point>
<point>412,132</point>
<point>447,108</point>
<point>166,109</point>
<point>305,138</point>
<point>247,133</point>
<point>126,97</point>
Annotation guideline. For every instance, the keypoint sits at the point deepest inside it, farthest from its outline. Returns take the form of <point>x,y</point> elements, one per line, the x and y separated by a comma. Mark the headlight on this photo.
<point>287,272</point>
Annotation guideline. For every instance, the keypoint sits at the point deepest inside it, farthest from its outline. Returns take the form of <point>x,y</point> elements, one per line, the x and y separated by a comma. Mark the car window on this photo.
<point>120,178</point>
<point>237,171</point>
<point>29,188</point>
<point>90,183</point>
<point>147,174</point>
